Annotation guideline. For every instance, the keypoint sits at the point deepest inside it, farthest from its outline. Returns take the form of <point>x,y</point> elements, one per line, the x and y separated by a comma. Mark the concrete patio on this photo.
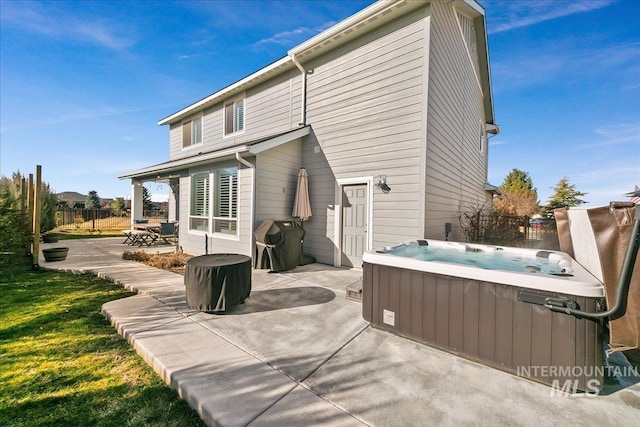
<point>299,353</point>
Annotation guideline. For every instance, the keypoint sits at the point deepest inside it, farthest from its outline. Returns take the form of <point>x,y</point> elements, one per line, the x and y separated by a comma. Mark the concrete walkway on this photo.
<point>299,353</point>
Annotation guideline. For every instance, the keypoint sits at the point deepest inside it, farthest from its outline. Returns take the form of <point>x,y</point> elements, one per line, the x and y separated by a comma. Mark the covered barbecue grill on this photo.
<point>279,245</point>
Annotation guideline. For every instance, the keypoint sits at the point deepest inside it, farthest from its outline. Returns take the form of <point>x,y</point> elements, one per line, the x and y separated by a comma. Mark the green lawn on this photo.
<point>62,364</point>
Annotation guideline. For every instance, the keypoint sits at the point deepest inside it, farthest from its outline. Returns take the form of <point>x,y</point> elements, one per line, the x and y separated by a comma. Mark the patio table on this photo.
<point>218,281</point>
<point>152,227</point>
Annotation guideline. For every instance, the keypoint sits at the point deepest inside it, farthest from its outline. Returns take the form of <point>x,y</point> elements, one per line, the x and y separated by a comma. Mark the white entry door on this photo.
<point>354,224</point>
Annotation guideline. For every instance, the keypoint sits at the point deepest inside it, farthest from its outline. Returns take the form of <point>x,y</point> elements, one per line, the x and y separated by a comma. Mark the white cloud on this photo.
<point>509,15</point>
<point>292,37</point>
<point>53,23</point>
<point>614,67</point>
<point>493,143</point>
<point>617,135</point>
<point>159,198</point>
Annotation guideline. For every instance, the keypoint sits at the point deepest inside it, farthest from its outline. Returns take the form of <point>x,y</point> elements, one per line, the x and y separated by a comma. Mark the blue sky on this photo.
<point>83,84</point>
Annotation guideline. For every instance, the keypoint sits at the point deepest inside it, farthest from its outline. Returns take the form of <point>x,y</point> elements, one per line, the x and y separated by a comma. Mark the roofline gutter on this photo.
<point>179,164</point>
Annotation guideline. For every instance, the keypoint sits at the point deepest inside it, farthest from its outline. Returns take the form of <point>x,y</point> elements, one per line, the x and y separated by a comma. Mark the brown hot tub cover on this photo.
<point>612,229</point>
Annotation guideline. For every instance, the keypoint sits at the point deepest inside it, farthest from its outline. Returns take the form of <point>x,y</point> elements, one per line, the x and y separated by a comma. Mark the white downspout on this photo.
<point>303,118</point>
<point>252,199</point>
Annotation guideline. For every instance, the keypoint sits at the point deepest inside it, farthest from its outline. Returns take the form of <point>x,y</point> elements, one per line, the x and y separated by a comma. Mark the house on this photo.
<point>388,111</point>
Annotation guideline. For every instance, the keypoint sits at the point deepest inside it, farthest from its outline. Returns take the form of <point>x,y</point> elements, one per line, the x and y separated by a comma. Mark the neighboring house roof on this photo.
<point>371,17</point>
<point>166,169</point>
<point>492,189</point>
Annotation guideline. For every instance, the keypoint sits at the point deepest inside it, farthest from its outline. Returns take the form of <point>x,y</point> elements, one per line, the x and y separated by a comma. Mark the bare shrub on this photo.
<point>481,224</point>
<point>168,261</point>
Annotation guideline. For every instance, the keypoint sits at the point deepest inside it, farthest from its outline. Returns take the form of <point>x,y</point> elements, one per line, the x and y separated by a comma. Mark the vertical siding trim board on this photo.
<point>252,200</point>
<point>486,323</point>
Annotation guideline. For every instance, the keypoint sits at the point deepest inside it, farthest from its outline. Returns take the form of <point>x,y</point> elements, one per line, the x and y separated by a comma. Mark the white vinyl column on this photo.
<point>136,201</point>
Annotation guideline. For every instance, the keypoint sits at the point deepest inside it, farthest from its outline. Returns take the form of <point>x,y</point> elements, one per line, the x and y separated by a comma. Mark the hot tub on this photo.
<point>487,303</point>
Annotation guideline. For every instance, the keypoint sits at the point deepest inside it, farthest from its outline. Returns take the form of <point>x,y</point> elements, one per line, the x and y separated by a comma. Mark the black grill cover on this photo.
<point>283,240</point>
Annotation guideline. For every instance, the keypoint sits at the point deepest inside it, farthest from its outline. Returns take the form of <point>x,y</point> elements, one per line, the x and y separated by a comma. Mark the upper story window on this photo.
<point>192,132</point>
<point>234,116</point>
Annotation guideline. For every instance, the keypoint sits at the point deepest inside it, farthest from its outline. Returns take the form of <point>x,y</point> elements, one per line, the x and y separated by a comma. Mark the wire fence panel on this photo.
<point>99,219</point>
<point>520,231</point>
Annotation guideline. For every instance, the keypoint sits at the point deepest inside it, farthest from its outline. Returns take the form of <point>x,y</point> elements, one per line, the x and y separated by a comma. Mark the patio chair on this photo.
<point>168,233</point>
<point>129,237</point>
<point>140,237</point>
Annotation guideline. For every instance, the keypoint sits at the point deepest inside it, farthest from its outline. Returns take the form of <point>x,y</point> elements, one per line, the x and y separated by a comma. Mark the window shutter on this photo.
<point>200,195</point>
<point>186,134</point>
<point>239,116</point>
<point>226,193</point>
<point>197,131</point>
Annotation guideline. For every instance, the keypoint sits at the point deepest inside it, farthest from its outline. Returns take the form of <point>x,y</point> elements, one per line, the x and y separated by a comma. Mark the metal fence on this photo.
<point>520,231</point>
<point>99,219</point>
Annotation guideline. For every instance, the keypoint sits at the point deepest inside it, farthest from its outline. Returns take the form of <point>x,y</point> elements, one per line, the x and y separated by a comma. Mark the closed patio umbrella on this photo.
<point>301,204</point>
<point>302,207</point>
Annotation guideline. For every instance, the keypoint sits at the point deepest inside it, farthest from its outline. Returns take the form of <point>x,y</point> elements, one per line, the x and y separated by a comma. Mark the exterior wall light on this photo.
<point>382,184</point>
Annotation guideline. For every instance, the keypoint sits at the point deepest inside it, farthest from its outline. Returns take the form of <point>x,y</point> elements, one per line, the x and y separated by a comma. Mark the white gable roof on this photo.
<point>376,15</point>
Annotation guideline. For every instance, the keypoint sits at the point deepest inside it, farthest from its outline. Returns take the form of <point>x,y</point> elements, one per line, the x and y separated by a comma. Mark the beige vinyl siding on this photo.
<point>366,107</point>
<point>319,237</point>
<point>276,179</point>
<point>175,141</point>
<point>270,108</point>
<point>456,167</point>
<point>193,243</point>
<point>212,128</point>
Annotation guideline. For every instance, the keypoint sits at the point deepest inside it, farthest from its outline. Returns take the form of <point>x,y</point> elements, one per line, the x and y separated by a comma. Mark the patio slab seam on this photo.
<point>167,373</point>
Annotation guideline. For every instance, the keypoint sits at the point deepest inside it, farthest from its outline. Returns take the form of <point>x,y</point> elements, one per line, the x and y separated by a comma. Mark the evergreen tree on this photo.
<point>93,200</point>
<point>12,221</point>
<point>565,196</point>
<point>146,200</point>
<point>48,201</point>
<point>519,196</point>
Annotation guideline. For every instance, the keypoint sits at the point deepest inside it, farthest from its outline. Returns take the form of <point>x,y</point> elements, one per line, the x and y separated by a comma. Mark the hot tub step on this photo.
<point>354,291</point>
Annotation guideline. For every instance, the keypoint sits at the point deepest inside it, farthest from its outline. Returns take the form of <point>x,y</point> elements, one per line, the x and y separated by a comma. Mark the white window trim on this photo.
<point>243,98</point>
<point>210,217</point>
<point>236,197</point>
<point>337,229</point>
<point>191,119</point>
<point>484,142</point>
<point>189,230</point>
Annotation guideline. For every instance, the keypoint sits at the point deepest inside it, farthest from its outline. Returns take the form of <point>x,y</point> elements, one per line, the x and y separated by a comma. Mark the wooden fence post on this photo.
<point>36,217</point>
<point>30,203</point>
<point>24,214</point>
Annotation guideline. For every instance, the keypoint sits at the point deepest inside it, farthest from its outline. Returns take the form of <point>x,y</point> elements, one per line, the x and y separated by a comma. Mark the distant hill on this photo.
<point>72,197</point>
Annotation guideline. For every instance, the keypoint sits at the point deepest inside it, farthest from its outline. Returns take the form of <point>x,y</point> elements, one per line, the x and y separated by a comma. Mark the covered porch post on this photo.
<point>137,203</point>
<point>174,199</point>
